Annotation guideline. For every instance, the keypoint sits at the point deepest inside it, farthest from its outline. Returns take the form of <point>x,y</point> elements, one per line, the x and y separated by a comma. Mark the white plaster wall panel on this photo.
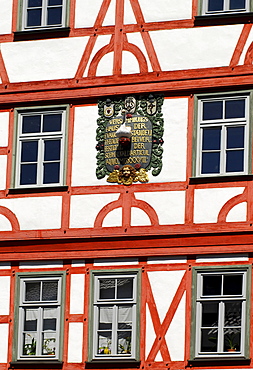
<point>76,294</point>
<point>223,258</point>
<point>139,217</point>
<point>84,208</point>
<point>129,17</point>
<point>247,45</point>
<point>5,16</point>
<point>3,168</point>
<point>194,48</point>
<point>115,261</point>
<point>114,218</point>
<point>83,170</point>
<point>5,265</point>
<point>166,260</point>
<point>5,295</point>
<point>40,264</point>
<point>75,343</point>
<point>238,213</point>
<point>86,12</point>
<point>161,282</point>
<point>46,209</point>
<point>61,58</point>
<point>150,332</point>
<point>4,330</point>
<point>136,39</point>
<point>110,15</point>
<point>104,68</point>
<point>208,202</point>
<point>78,263</point>
<point>4,128</point>
<point>5,224</point>
<point>129,63</point>
<point>169,205</point>
<point>169,10</point>
<point>175,336</point>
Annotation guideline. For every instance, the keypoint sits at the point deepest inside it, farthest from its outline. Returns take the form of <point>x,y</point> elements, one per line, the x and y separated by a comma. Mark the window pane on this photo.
<point>54,16</point>
<point>233,313</point>
<point>124,342</point>
<point>232,284</point>
<point>29,151</point>
<point>237,4</point>
<point>232,339</point>
<point>104,343</point>
<point>54,2</point>
<point>31,319</point>
<point>211,285</point>
<point>29,347</point>
<point>49,290</point>
<point>124,288</point>
<point>208,340</point>
<point>125,317</point>
<point>210,162</point>
<point>52,150</point>
<point>210,314</point>
<point>32,291</point>
<point>211,138</point>
<point>235,161</point>
<point>32,3</point>
<point>106,288</point>
<point>31,124</point>
<point>105,318</point>
<point>235,108</point>
<point>28,175</point>
<point>212,110</point>
<point>49,343</point>
<point>49,318</point>
<point>235,137</point>
<point>51,173</point>
<point>52,122</point>
<point>33,17</point>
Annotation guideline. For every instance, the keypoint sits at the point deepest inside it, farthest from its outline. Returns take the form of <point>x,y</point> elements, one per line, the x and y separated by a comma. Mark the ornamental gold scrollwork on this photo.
<point>127,175</point>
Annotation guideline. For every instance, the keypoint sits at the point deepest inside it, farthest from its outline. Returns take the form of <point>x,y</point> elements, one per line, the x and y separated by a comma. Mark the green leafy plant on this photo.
<point>30,348</point>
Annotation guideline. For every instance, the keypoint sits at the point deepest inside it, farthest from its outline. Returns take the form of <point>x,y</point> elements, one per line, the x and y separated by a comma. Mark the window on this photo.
<point>223,135</point>
<point>114,316</point>
<point>221,313</point>
<point>40,148</point>
<point>211,7</point>
<point>39,14</point>
<point>39,312</point>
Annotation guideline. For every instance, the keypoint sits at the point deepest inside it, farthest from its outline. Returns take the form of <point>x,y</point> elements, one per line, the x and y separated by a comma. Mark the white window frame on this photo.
<point>224,124</point>
<point>23,304</point>
<point>96,303</point>
<point>225,10</point>
<point>43,24</point>
<point>221,299</point>
<point>41,138</point>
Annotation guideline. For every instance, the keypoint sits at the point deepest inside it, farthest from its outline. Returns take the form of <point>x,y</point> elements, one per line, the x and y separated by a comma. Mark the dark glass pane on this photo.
<point>209,340</point>
<point>232,285</point>
<point>210,313</point>
<point>28,175</point>
<point>211,138</point>
<point>232,339</point>
<point>29,151</point>
<point>52,122</point>
<point>49,324</point>
<point>235,108</point>
<point>105,318</point>
<point>54,16</point>
<point>233,313</point>
<point>235,137</point>
<point>32,291</point>
<point>31,317</point>
<point>124,288</point>
<point>31,124</point>
<point>33,17</point>
<point>235,160</point>
<point>210,162</point>
<point>54,2</point>
<point>52,150</point>
<point>215,5</point>
<point>51,173</point>
<point>212,110</point>
<point>49,290</point>
<point>107,288</point>
<point>237,4</point>
<point>32,3</point>
<point>124,342</point>
<point>211,285</point>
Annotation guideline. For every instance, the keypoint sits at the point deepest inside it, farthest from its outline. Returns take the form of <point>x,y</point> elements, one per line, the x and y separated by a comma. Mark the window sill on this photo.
<point>218,179</point>
<point>114,363</point>
<point>223,18</point>
<point>45,33</point>
<point>40,364</point>
<point>45,189</point>
<point>229,360</point>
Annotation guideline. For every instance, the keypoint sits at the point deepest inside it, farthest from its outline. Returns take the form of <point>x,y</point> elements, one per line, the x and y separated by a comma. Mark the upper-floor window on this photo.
<point>39,14</point>
<point>40,147</point>
<point>224,6</point>
<point>222,135</point>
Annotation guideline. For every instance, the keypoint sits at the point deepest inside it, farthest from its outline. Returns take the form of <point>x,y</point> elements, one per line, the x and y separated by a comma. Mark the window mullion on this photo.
<point>114,329</point>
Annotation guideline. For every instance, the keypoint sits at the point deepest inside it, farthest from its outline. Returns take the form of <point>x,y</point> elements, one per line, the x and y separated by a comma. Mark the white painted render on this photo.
<point>113,218</point>
<point>110,15</point>
<point>76,294</point>
<point>3,168</point>
<point>238,213</point>
<point>78,263</point>
<point>168,205</point>
<point>195,47</point>
<point>136,39</point>
<point>4,128</point>
<point>5,16</point>
<point>86,12</point>
<point>223,258</point>
<point>166,260</point>
<point>246,46</point>
<point>5,224</point>
<point>105,66</point>
<point>75,342</point>
<point>115,261</point>
<point>130,64</point>
<point>208,203</point>
<point>4,330</point>
<point>5,265</point>
<point>40,264</point>
<point>61,58</point>
<point>139,217</point>
<point>85,208</point>
<point>169,10</point>
<point>4,295</point>
<point>46,209</point>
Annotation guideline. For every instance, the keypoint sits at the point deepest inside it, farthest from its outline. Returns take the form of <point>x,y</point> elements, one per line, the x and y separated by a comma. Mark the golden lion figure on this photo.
<point>127,175</point>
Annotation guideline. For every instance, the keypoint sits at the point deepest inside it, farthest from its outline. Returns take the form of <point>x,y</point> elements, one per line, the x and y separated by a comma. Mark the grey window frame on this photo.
<point>226,11</point>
